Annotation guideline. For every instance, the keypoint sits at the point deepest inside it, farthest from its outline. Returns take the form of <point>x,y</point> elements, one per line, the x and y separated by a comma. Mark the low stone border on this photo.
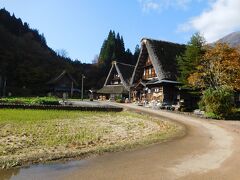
<point>62,107</point>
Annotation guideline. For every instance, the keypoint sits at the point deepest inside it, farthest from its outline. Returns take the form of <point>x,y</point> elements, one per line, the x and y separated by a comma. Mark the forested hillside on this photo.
<point>27,63</point>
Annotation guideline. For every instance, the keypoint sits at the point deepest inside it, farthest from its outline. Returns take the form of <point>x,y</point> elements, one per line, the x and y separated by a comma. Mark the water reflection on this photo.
<point>8,174</point>
<point>46,171</point>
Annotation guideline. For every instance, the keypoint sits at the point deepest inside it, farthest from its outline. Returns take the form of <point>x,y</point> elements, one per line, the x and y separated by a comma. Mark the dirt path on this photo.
<point>210,150</point>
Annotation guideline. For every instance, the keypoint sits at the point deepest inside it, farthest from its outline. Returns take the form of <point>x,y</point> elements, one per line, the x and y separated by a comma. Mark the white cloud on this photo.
<point>158,5</point>
<point>222,18</point>
<point>150,5</point>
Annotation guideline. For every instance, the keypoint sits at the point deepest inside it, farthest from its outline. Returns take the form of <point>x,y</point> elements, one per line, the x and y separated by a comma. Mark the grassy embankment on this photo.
<point>33,136</point>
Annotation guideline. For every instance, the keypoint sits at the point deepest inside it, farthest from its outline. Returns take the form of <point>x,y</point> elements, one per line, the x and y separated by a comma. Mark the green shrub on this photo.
<point>33,101</point>
<point>119,99</point>
<point>201,105</point>
<point>46,101</point>
<point>218,102</point>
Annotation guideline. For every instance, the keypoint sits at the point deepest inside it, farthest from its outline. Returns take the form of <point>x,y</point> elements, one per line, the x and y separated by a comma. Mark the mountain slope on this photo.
<point>25,59</point>
<point>232,39</point>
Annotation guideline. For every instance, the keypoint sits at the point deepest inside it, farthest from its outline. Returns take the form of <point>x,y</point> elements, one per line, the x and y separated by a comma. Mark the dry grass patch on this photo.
<point>31,136</point>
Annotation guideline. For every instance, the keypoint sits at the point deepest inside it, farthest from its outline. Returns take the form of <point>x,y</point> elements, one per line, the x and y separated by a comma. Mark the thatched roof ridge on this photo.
<point>163,56</point>
<point>60,76</point>
<point>124,71</point>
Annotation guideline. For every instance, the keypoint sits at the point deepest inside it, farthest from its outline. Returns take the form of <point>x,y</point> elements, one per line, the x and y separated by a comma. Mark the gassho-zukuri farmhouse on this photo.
<point>154,77</point>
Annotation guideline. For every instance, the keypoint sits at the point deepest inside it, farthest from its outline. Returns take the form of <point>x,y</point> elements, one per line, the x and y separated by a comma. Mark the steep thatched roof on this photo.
<point>60,76</point>
<point>113,89</point>
<point>163,56</point>
<point>123,70</point>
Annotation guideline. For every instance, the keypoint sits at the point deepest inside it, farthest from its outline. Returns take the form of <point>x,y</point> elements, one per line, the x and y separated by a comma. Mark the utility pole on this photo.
<point>72,89</point>
<point>4,87</point>
<point>82,87</point>
<point>129,95</point>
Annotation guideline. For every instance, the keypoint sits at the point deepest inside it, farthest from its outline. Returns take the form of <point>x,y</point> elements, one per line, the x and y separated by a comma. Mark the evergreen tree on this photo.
<point>122,45</point>
<point>112,49</point>
<point>136,54</point>
<point>128,57</point>
<point>188,62</point>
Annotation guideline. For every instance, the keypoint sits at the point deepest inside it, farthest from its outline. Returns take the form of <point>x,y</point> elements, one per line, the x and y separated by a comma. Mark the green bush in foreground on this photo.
<point>218,103</point>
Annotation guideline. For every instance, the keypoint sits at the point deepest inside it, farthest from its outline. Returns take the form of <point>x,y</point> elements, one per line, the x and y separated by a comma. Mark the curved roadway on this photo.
<point>210,150</point>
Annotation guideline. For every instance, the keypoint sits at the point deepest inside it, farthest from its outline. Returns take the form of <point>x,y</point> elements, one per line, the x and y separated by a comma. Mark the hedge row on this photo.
<point>61,107</point>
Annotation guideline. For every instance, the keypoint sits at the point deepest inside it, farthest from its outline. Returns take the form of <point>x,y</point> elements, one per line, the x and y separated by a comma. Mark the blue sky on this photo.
<point>80,26</point>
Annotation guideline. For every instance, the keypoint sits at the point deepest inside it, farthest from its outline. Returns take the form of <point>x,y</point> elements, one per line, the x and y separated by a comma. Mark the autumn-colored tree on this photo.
<point>220,66</point>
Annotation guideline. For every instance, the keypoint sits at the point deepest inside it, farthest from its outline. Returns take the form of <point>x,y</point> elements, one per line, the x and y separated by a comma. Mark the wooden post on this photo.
<point>82,87</point>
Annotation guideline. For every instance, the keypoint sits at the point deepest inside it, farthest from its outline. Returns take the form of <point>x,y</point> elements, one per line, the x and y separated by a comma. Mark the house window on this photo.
<point>153,72</point>
<point>116,75</point>
<point>150,72</point>
<point>148,62</point>
<point>147,73</point>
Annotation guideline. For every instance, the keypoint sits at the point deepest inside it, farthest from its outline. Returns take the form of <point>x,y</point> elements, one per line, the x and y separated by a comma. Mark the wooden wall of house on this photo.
<point>170,93</point>
<point>149,71</point>
<point>190,98</point>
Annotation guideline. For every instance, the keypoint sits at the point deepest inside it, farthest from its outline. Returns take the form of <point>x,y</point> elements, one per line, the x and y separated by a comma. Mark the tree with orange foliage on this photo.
<point>220,66</point>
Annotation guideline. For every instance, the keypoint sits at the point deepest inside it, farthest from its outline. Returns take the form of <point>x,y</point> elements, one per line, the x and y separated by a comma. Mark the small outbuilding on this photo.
<point>63,85</point>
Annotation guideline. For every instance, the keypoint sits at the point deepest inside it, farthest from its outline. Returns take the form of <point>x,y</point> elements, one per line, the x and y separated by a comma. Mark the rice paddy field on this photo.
<point>39,136</point>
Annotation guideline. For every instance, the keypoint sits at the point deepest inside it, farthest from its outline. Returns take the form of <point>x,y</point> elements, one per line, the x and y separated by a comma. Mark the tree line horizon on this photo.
<point>27,62</point>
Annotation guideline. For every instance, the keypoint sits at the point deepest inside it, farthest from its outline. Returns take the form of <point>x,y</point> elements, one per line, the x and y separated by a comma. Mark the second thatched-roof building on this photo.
<point>117,84</point>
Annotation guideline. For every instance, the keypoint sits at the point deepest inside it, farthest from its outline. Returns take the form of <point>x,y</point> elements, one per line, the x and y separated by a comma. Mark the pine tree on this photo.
<point>188,62</point>
<point>136,54</point>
